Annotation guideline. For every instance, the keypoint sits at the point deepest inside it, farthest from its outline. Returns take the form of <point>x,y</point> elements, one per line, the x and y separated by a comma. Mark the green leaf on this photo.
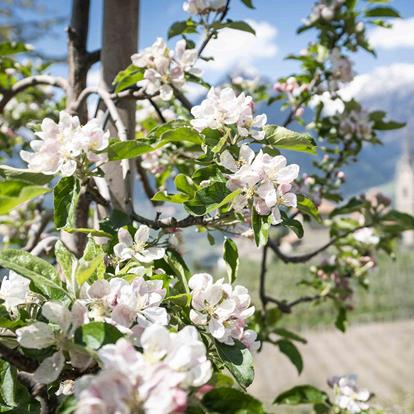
<point>15,193</point>
<point>248,3</point>
<point>27,176</point>
<point>289,335</point>
<point>92,232</point>
<point>128,77</point>
<point>354,204</point>
<point>185,184</point>
<point>261,226</point>
<point>238,360</point>
<point>181,134</point>
<point>307,206</point>
<point>293,224</point>
<point>94,335</point>
<point>210,198</point>
<point>302,394</point>
<point>182,299</point>
<point>66,197</point>
<point>398,220</point>
<point>382,12</point>
<point>183,27</point>
<point>172,198</point>
<point>42,274</point>
<point>290,350</point>
<point>65,259</point>
<point>125,150</point>
<point>379,124</point>
<point>231,401</point>
<point>11,48</point>
<point>341,319</point>
<point>237,25</point>
<point>231,257</point>
<point>176,265</point>
<point>284,138</point>
<point>92,264</point>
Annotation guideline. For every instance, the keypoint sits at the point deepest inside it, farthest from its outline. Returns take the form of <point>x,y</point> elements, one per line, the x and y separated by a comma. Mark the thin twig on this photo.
<point>23,84</point>
<point>157,110</point>
<point>46,218</point>
<point>17,359</point>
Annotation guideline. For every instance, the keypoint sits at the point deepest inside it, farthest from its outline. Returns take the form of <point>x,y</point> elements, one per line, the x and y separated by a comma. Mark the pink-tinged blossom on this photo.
<point>62,325</point>
<point>137,247</point>
<point>126,303</point>
<point>62,146</point>
<point>356,123</point>
<point>222,108</point>
<point>203,6</point>
<point>347,395</point>
<point>222,309</point>
<point>155,381</point>
<point>264,181</point>
<point>165,69</point>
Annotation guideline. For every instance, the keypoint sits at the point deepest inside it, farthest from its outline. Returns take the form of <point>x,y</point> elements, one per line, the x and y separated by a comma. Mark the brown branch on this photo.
<point>46,217</point>
<point>306,257</point>
<point>157,110</point>
<point>182,98</point>
<point>93,57</point>
<point>17,359</point>
<point>30,81</point>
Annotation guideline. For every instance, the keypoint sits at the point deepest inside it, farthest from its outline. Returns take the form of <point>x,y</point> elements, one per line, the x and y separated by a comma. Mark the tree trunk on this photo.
<point>119,42</point>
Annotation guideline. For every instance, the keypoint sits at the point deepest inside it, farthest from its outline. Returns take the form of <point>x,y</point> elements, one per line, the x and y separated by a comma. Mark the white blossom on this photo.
<point>223,108</point>
<point>203,6</point>
<point>341,68</point>
<point>154,382</point>
<point>137,247</point>
<point>123,303</point>
<point>262,179</point>
<point>164,68</point>
<point>14,290</point>
<point>367,235</point>
<point>40,335</point>
<point>222,309</point>
<point>356,123</point>
<point>60,146</point>
<point>348,396</point>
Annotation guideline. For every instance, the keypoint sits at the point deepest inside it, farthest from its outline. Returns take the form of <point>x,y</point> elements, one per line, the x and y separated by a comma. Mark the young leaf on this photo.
<point>230,400</point>
<point>238,360</point>
<point>128,77</point>
<point>307,206</point>
<point>94,335</point>
<point>284,138</point>
<point>66,197</point>
<point>290,350</point>
<point>65,259</point>
<point>15,193</point>
<point>302,394</point>
<point>231,257</point>
<point>27,176</point>
<point>42,274</point>
<point>185,185</point>
<point>261,227</point>
<point>125,150</point>
<point>382,12</point>
<point>248,3</point>
<point>183,27</point>
<point>239,25</point>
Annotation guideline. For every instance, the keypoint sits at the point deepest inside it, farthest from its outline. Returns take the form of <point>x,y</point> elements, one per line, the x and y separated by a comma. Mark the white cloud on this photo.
<point>234,49</point>
<point>400,35</point>
<point>382,80</point>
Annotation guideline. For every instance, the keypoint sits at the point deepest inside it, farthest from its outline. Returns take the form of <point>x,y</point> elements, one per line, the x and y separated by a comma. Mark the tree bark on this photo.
<point>119,42</point>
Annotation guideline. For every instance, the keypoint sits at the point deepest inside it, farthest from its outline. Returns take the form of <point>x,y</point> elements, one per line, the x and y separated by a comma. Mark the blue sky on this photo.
<point>276,22</point>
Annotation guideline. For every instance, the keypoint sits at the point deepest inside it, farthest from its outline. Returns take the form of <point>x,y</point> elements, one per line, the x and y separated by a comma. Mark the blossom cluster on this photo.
<point>356,123</point>
<point>223,108</point>
<point>324,10</point>
<point>203,6</point>
<point>348,396</point>
<point>165,69</point>
<point>222,309</point>
<point>263,180</point>
<point>156,381</point>
<point>293,90</point>
<point>341,68</point>
<point>65,146</point>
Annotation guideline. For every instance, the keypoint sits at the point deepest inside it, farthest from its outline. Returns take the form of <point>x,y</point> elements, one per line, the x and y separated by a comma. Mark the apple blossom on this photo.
<point>40,335</point>
<point>223,309</point>
<point>348,396</point>
<point>366,235</point>
<point>137,247</point>
<point>356,123</point>
<point>262,179</point>
<point>14,290</point>
<point>341,67</point>
<point>203,6</point>
<point>126,303</point>
<point>61,146</point>
<point>223,108</point>
<point>164,68</point>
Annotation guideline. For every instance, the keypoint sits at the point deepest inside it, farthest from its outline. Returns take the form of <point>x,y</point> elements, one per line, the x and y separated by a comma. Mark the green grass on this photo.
<point>389,297</point>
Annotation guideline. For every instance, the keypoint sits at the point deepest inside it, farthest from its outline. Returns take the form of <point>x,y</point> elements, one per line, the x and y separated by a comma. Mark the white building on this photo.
<point>404,186</point>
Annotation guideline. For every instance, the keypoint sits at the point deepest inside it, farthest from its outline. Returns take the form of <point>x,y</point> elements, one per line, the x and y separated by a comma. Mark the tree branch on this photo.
<point>23,84</point>
<point>17,359</point>
<point>46,217</point>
